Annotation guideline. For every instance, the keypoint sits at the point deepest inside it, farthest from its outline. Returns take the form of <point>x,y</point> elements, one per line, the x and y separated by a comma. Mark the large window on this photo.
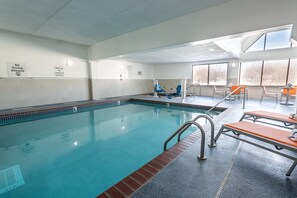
<point>293,72</point>
<point>275,72</point>
<point>279,39</point>
<point>258,45</point>
<point>250,73</point>
<point>272,40</point>
<point>269,72</point>
<point>218,74</point>
<point>200,74</point>
<point>211,74</point>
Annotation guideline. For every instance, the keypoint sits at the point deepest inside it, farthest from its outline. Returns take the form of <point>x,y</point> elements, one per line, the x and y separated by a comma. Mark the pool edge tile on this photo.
<point>144,174</point>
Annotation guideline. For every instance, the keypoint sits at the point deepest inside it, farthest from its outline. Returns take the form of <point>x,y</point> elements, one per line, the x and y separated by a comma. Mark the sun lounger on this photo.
<point>279,117</point>
<point>270,135</point>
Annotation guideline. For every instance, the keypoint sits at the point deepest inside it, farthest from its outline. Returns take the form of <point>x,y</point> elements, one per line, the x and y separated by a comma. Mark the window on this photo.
<point>250,73</point>
<point>275,72</point>
<point>210,74</point>
<point>293,72</point>
<point>279,39</point>
<point>218,74</point>
<point>271,72</point>
<point>200,74</point>
<point>272,40</point>
<point>258,45</point>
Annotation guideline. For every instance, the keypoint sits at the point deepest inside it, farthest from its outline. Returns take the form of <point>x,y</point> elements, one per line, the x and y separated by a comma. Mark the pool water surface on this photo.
<point>83,154</point>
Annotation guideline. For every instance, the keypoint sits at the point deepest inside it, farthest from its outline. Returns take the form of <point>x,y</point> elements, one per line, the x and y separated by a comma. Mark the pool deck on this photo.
<point>232,168</point>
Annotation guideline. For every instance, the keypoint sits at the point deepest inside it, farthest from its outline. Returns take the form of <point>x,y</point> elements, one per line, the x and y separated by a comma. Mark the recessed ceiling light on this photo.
<point>211,49</point>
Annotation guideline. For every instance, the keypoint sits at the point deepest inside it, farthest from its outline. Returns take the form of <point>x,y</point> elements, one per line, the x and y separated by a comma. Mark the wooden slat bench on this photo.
<point>279,117</point>
<point>271,135</point>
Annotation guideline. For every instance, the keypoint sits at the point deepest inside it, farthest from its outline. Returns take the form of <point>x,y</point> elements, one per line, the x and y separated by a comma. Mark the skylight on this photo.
<point>272,40</point>
<point>277,40</point>
<point>258,45</point>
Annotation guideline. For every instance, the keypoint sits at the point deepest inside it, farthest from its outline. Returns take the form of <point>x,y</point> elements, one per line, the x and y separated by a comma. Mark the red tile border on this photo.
<point>124,189</point>
<point>156,165</point>
<point>103,195</point>
<point>145,173</point>
<point>33,113</point>
<point>131,183</point>
<point>113,192</point>
<point>140,177</point>
<point>150,169</point>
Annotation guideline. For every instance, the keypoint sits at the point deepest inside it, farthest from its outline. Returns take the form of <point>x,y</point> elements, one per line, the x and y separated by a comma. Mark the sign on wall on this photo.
<point>59,70</point>
<point>16,69</point>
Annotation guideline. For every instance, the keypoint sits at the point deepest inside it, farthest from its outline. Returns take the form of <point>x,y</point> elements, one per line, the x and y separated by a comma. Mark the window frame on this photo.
<point>208,72</point>
<point>265,40</point>
<point>264,34</point>
<point>289,68</point>
<point>286,78</point>
<point>239,77</point>
<point>262,70</point>
<point>227,65</point>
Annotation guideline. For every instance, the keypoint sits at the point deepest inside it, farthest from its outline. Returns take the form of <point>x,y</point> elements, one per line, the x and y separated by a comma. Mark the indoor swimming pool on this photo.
<point>82,154</point>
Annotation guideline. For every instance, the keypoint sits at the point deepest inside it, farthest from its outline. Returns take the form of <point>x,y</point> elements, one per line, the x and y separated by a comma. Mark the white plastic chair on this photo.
<point>267,94</point>
<point>218,92</point>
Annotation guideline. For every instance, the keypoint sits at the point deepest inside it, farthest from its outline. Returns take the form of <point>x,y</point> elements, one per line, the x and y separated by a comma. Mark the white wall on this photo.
<point>39,85</point>
<point>233,17</point>
<point>118,78</point>
<point>40,56</point>
<point>110,69</point>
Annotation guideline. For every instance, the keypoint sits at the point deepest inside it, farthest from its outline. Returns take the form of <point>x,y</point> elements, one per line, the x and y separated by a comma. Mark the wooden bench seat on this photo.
<point>283,118</point>
<point>271,135</point>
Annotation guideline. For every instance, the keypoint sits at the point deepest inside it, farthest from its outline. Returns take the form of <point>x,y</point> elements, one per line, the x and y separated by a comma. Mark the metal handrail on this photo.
<point>186,125</point>
<point>243,104</point>
<point>182,129</point>
<point>194,85</point>
<point>212,142</point>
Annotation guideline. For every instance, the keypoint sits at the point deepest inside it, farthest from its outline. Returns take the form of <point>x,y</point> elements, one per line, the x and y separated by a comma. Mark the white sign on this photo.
<point>16,69</point>
<point>59,70</point>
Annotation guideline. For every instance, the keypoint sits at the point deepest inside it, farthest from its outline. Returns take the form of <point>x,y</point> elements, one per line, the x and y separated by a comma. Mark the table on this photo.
<point>287,95</point>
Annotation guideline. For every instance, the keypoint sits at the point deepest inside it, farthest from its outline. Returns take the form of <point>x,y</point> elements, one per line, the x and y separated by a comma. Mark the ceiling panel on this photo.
<point>25,16</point>
<point>90,21</point>
<point>190,53</point>
<point>79,17</point>
<point>146,14</point>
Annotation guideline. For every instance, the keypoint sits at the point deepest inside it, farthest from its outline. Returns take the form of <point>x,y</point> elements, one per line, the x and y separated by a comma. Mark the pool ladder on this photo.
<point>186,125</point>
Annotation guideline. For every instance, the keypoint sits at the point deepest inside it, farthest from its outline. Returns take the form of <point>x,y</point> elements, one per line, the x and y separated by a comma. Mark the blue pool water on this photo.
<point>83,154</point>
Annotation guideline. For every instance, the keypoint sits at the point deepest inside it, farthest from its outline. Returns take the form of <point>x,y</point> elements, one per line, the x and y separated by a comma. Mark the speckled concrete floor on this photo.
<point>232,168</point>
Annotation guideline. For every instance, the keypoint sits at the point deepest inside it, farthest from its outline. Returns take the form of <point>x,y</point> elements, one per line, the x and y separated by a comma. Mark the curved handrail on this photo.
<point>195,85</point>
<point>212,142</point>
<point>183,128</point>
<point>243,104</point>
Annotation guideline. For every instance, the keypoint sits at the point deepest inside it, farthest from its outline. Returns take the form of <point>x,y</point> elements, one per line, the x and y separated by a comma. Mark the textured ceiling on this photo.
<point>192,53</point>
<point>89,21</point>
